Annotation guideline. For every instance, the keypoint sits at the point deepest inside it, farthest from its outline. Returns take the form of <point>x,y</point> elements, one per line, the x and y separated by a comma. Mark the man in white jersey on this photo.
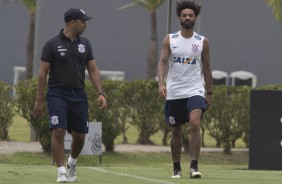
<point>186,55</point>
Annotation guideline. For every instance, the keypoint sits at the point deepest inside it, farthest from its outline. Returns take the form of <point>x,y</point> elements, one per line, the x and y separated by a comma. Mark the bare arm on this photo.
<point>95,77</point>
<point>42,77</point>
<point>207,71</point>
<point>162,67</point>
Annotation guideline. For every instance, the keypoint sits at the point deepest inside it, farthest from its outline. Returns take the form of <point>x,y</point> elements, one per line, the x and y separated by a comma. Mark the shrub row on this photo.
<point>137,103</point>
<point>6,110</point>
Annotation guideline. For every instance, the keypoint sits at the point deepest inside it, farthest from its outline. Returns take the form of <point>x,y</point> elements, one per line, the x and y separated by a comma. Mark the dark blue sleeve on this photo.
<point>46,54</point>
<point>90,55</point>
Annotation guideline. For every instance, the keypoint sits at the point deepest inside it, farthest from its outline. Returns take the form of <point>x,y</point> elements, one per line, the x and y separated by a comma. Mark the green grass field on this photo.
<point>159,174</point>
<point>137,168</point>
<point>19,130</point>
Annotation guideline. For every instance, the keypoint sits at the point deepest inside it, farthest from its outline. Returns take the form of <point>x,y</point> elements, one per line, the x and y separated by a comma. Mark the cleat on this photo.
<point>176,174</point>
<point>72,177</point>
<point>194,173</point>
<point>62,178</point>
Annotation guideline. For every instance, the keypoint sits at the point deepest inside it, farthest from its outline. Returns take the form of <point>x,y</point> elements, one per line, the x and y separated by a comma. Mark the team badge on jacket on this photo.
<point>81,48</point>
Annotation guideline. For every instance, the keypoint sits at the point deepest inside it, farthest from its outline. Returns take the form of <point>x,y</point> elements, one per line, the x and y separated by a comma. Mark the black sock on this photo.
<point>194,163</point>
<point>177,166</point>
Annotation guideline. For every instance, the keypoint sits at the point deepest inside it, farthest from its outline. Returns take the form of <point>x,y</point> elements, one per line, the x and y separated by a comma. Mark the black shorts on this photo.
<point>177,111</point>
<point>68,109</point>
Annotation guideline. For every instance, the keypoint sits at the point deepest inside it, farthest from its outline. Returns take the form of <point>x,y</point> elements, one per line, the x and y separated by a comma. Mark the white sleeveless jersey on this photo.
<point>184,77</point>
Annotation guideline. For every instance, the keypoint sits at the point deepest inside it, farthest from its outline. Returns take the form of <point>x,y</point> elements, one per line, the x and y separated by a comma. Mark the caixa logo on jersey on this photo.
<point>184,60</point>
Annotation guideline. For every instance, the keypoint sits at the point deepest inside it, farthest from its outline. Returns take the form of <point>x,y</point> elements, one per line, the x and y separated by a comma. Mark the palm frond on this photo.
<point>150,5</point>
<point>276,8</point>
<point>126,6</point>
<point>31,5</point>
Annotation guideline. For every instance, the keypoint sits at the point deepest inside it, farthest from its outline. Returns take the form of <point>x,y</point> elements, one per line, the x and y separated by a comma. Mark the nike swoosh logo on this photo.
<point>174,47</point>
<point>60,46</point>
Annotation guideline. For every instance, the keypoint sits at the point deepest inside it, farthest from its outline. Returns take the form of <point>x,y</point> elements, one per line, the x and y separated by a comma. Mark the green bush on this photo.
<point>270,87</point>
<point>163,126</point>
<point>25,98</point>
<point>146,103</point>
<point>110,118</point>
<point>138,103</point>
<point>228,117</point>
<point>6,110</point>
<point>242,114</point>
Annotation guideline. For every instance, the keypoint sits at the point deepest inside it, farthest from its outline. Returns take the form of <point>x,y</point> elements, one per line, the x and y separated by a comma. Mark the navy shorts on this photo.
<point>68,109</point>
<point>177,111</point>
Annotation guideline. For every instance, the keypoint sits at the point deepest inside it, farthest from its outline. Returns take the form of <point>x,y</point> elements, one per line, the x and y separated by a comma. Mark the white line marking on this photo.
<point>129,175</point>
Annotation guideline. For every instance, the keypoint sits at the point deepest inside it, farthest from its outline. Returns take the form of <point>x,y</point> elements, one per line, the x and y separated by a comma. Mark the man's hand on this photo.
<point>162,91</point>
<point>208,101</point>
<point>102,102</point>
<point>38,108</point>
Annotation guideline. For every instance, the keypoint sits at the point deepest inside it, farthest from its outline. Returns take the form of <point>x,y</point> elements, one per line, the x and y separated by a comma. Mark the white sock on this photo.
<point>71,161</point>
<point>61,169</point>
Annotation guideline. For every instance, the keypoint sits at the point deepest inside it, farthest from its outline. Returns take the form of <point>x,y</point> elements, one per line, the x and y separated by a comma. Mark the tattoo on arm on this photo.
<point>162,67</point>
<point>206,65</point>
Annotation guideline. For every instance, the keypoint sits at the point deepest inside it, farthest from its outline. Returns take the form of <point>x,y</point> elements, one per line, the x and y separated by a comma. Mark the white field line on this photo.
<point>130,175</point>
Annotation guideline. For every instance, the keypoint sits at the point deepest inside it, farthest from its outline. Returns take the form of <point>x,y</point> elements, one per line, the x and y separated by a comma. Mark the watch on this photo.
<point>102,93</point>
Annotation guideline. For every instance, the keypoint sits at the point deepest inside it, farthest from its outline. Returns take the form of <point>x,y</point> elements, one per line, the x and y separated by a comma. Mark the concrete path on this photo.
<point>14,146</point>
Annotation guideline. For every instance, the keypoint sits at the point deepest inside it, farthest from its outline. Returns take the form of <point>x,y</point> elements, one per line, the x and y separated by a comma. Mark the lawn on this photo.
<point>28,174</point>
<point>19,130</point>
<point>137,168</point>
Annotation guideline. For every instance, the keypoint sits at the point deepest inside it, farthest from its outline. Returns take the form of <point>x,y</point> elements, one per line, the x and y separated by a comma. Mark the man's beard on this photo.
<point>187,24</point>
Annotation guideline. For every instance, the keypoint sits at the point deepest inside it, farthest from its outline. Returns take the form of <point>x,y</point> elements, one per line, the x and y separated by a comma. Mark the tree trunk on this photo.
<point>203,137</point>
<point>125,140</point>
<point>166,132</point>
<point>30,47</point>
<point>144,138</point>
<point>153,49</point>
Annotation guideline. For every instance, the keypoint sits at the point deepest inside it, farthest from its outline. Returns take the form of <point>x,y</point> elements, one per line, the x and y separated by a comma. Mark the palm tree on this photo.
<point>31,6</point>
<point>277,7</point>
<point>151,6</point>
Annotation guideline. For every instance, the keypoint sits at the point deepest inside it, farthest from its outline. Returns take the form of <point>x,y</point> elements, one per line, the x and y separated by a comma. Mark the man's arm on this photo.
<point>162,67</point>
<point>42,77</point>
<point>207,71</point>
<point>95,77</point>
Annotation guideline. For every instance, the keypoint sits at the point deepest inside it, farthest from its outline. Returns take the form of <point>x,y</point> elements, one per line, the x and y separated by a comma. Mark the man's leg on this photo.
<point>176,146</point>
<point>77,143</point>
<point>76,147</point>
<point>57,145</point>
<point>195,141</point>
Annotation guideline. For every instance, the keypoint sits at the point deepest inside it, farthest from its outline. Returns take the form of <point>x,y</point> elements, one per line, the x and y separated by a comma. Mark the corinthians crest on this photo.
<point>81,48</point>
<point>195,48</point>
<point>96,147</point>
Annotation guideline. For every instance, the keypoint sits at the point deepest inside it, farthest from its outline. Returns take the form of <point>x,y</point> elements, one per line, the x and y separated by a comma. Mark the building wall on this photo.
<point>243,35</point>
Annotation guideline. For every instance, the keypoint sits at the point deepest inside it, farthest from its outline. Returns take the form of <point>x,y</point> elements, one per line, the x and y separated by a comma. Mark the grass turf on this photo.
<point>137,174</point>
<point>137,168</point>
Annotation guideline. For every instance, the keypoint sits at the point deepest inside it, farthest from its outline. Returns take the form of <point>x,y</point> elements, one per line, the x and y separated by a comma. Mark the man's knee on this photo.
<point>195,125</point>
<point>58,133</point>
<point>78,136</point>
<point>176,131</point>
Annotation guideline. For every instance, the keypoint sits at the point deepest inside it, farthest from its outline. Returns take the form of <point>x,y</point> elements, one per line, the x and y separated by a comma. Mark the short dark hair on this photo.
<point>187,5</point>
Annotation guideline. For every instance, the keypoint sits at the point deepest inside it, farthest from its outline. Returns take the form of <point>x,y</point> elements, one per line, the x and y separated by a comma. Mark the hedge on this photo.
<point>137,103</point>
